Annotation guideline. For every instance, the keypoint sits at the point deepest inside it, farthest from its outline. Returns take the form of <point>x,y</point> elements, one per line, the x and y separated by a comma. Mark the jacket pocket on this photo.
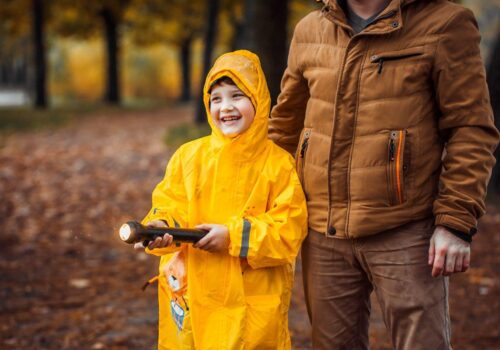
<point>397,166</point>
<point>263,320</point>
<point>381,58</point>
<point>301,153</point>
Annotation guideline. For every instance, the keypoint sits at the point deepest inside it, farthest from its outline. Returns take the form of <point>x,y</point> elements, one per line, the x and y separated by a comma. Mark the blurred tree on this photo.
<point>209,41</point>
<point>77,18</point>
<point>23,19</point>
<point>110,18</point>
<point>38,34</point>
<point>233,11</point>
<point>174,22</point>
<point>265,33</point>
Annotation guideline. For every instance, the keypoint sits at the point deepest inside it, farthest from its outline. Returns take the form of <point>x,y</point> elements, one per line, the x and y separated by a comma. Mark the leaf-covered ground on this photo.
<point>67,282</point>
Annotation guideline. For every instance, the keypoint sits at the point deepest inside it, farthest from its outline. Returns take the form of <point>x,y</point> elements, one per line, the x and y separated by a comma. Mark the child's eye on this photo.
<point>238,94</point>
<point>215,99</point>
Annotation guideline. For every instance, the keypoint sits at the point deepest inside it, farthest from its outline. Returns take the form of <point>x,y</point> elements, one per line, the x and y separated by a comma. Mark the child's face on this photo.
<point>231,110</point>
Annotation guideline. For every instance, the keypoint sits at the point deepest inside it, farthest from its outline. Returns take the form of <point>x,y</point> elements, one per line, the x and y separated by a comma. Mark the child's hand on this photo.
<point>216,240</point>
<point>159,242</point>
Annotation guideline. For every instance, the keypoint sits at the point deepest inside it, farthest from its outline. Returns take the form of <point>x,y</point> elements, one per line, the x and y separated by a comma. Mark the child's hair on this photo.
<point>220,81</point>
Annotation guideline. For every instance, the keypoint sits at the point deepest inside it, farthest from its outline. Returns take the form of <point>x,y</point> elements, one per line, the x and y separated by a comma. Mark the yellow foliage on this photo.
<point>76,70</point>
<point>85,63</point>
<point>150,72</point>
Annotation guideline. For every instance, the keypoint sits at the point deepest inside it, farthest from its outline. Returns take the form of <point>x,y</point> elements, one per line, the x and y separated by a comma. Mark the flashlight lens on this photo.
<point>125,232</point>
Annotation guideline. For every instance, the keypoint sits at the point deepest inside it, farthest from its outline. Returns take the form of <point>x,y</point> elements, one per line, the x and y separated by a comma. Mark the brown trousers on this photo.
<point>340,274</point>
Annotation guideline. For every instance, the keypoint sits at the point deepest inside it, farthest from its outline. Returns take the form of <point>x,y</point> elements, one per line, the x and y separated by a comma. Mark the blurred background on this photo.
<point>94,98</point>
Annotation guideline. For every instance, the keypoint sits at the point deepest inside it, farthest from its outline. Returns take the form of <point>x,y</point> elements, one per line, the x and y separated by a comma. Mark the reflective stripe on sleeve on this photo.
<point>245,238</point>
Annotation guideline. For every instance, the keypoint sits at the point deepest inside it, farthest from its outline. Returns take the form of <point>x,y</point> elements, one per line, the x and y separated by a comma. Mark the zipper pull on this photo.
<point>303,148</point>
<point>391,150</point>
<point>380,65</point>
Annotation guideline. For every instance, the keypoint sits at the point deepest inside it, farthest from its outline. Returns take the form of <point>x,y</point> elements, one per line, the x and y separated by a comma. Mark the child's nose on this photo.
<point>227,106</point>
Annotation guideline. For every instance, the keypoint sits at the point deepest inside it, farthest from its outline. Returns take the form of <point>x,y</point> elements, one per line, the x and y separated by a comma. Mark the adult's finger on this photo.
<point>439,260</point>
<point>451,258</point>
<point>432,252</point>
<point>466,262</point>
<point>459,262</point>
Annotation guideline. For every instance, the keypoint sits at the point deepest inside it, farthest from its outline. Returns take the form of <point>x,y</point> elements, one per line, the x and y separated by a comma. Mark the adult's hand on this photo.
<point>448,254</point>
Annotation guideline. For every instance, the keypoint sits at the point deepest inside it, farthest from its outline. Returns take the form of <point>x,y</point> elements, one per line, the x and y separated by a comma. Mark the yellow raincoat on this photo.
<point>238,299</point>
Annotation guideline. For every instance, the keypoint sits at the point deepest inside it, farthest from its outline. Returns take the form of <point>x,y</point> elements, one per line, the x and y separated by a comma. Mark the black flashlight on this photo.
<point>133,232</point>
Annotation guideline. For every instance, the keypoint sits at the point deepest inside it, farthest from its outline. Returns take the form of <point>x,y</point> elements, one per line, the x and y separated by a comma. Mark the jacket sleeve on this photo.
<point>274,237</point>
<point>466,124</point>
<point>287,117</point>
<point>169,202</point>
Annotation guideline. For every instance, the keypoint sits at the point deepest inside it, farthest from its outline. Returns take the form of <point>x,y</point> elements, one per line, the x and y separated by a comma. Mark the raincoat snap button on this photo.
<point>394,24</point>
<point>374,57</point>
<point>332,231</point>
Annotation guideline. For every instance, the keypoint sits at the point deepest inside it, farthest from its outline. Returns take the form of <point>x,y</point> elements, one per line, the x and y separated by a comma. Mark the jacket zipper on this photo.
<point>305,143</point>
<point>381,59</point>
<point>339,80</point>
<point>396,149</point>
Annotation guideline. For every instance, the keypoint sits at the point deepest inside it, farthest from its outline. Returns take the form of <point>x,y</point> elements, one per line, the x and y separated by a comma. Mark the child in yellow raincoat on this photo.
<point>231,290</point>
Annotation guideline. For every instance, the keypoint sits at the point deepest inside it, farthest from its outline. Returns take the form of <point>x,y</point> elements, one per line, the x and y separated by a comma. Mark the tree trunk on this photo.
<point>265,33</point>
<point>238,25</point>
<point>213,10</point>
<point>39,53</point>
<point>112,50</point>
<point>185,62</point>
<point>494,87</point>
<point>237,38</point>
<point>4,72</point>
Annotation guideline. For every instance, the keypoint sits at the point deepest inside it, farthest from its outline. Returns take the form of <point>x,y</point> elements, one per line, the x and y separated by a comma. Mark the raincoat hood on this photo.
<point>244,68</point>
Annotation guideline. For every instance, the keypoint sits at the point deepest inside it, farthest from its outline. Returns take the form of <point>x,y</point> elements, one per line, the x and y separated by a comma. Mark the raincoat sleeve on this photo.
<point>169,202</point>
<point>274,237</point>
<point>287,117</point>
<point>466,124</point>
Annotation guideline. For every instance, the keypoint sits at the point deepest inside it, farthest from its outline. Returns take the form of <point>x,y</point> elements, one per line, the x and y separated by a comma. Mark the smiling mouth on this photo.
<point>230,118</point>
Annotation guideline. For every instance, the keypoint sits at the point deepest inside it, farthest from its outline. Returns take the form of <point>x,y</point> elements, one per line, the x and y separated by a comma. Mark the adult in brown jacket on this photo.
<point>385,106</point>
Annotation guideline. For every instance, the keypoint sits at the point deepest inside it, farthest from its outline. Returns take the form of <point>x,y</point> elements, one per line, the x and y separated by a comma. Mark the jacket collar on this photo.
<point>389,20</point>
<point>334,2</point>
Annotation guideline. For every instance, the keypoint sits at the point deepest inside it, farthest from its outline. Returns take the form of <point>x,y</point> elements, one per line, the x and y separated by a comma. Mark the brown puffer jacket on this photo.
<point>372,113</point>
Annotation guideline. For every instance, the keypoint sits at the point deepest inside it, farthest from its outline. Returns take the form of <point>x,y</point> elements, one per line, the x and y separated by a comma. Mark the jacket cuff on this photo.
<point>160,215</point>
<point>462,235</point>
<point>239,237</point>
<point>456,226</point>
